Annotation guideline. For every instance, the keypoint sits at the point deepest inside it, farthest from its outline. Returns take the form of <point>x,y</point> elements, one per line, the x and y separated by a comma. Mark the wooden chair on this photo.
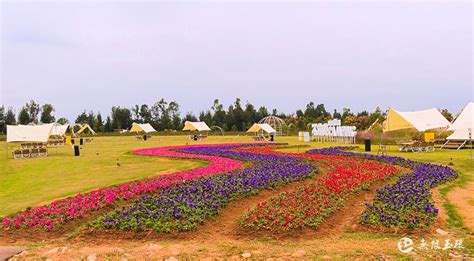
<point>43,152</point>
<point>17,154</point>
<point>34,152</point>
<point>25,153</point>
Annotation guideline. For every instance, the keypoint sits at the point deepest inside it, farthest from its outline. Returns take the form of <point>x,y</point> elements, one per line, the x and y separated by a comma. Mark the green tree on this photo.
<point>62,121</point>
<point>447,115</point>
<point>2,120</point>
<point>145,114</point>
<point>82,118</point>
<point>33,110</point>
<point>173,111</point>
<point>218,114</point>
<point>10,117</point>
<point>24,116</point>
<point>47,113</point>
<point>108,125</point>
<point>189,117</point>
<point>121,118</point>
<point>99,123</point>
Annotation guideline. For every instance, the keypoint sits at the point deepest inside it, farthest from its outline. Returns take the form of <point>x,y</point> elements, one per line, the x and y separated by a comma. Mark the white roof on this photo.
<point>145,127</point>
<point>465,120</point>
<point>425,119</point>
<point>27,133</point>
<point>256,127</point>
<point>193,126</point>
<point>462,134</point>
<point>59,130</point>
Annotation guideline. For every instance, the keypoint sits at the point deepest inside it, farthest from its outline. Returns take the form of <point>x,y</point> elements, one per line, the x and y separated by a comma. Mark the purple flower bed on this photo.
<point>407,202</point>
<point>184,206</point>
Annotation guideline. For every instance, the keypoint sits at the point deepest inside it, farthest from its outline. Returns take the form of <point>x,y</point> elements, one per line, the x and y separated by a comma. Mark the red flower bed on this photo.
<point>308,206</point>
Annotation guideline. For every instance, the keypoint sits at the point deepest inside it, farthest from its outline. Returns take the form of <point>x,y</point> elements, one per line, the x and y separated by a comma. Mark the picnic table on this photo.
<point>416,146</point>
<point>406,146</point>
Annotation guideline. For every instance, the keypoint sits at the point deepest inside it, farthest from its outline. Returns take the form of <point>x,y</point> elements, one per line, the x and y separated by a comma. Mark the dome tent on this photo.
<point>276,123</point>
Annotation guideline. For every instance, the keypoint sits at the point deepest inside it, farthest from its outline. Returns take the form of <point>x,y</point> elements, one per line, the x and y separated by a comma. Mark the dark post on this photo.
<point>367,144</point>
<point>77,152</point>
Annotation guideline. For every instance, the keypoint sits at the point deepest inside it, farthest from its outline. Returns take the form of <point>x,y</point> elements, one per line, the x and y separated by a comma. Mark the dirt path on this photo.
<point>463,200</point>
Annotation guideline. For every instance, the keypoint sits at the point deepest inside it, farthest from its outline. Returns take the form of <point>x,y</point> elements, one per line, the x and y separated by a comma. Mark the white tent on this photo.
<point>195,126</point>
<point>419,120</point>
<point>27,133</point>
<point>462,134</point>
<point>463,123</point>
<point>59,130</point>
<point>147,128</point>
<point>256,127</point>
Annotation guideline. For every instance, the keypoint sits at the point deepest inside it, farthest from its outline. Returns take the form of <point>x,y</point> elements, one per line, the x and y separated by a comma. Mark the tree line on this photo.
<point>164,115</point>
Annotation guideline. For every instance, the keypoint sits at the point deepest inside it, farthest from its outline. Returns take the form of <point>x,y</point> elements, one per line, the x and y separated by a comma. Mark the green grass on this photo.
<point>30,182</point>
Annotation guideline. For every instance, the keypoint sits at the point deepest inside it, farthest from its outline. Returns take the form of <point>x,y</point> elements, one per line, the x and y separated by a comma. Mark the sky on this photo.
<point>91,55</point>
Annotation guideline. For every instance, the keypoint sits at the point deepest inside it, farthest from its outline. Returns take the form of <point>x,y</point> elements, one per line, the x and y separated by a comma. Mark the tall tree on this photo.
<point>173,110</point>
<point>218,114</point>
<point>2,119</point>
<point>47,113</point>
<point>108,125</point>
<point>99,123</point>
<point>91,119</point>
<point>145,114</point>
<point>24,116</point>
<point>33,110</point>
<point>10,117</point>
<point>121,118</point>
<point>82,118</point>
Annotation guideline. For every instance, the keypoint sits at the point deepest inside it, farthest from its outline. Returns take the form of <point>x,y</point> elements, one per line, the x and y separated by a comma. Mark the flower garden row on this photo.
<point>407,202</point>
<point>64,210</point>
<point>186,205</point>
<point>311,204</point>
<point>183,200</point>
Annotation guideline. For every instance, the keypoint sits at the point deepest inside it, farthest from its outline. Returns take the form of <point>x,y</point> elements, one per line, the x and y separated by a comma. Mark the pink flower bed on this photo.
<point>64,210</point>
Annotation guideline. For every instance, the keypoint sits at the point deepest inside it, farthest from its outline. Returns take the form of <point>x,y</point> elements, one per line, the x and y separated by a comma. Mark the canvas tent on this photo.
<point>146,127</point>
<point>257,127</point>
<point>463,126</point>
<point>419,120</point>
<point>465,119</point>
<point>29,133</point>
<point>59,130</point>
<point>195,126</point>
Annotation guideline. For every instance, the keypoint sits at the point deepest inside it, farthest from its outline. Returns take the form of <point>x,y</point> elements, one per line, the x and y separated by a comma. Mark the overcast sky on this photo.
<point>92,55</point>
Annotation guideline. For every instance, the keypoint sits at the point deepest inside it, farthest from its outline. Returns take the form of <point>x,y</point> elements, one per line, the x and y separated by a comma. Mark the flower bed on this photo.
<point>61,211</point>
<point>186,205</point>
<point>406,203</point>
<point>310,205</point>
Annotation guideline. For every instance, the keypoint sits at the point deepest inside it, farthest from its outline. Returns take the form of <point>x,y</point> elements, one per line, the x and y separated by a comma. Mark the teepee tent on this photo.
<point>195,126</point>
<point>464,124</point>
<point>147,128</point>
<point>419,120</point>
<point>29,133</point>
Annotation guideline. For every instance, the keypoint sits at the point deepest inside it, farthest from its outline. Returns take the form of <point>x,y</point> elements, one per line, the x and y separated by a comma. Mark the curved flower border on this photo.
<point>408,201</point>
<point>64,210</point>
<point>186,205</point>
